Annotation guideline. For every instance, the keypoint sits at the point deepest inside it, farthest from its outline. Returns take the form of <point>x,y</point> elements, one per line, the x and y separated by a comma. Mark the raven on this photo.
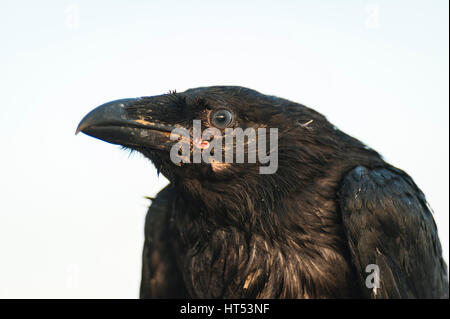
<point>333,221</point>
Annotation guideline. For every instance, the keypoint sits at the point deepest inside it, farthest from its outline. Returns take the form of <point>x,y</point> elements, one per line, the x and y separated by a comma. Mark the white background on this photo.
<point>72,207</point>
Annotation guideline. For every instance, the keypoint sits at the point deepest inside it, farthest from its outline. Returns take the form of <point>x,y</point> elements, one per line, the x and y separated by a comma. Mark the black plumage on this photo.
<point>332,208</point>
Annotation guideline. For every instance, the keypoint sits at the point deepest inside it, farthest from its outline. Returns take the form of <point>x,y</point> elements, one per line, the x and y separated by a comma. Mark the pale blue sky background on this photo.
<point>72,207</point>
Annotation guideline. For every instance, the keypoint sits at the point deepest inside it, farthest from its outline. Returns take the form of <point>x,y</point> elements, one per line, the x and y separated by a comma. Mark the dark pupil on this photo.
<point>221,118</point>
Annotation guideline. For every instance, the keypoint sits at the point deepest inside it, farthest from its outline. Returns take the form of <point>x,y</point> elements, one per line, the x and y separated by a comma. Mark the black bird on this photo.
<point>316,228</point>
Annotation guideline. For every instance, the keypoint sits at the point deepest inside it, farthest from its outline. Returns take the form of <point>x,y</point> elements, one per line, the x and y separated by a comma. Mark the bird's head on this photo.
<point>292,155</point>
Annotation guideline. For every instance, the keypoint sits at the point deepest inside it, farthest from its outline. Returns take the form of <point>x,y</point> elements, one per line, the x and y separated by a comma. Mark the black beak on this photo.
<point>111,123</point>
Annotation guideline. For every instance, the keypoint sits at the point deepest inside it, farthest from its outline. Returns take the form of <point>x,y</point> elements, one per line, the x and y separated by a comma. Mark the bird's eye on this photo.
<point>221,118</point>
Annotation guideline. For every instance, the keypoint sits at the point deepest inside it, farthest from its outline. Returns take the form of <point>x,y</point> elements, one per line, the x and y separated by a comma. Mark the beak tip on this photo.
<point>79,129</point>
<point>108,112</point>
